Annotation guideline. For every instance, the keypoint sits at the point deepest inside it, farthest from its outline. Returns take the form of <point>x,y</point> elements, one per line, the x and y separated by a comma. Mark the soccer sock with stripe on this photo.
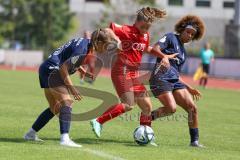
<point>111,113</point>
<point>42,119</point>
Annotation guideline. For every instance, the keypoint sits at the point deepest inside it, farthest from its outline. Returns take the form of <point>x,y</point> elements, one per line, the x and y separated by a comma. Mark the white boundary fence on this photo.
<point>21,58</point>
<point>221,67</point>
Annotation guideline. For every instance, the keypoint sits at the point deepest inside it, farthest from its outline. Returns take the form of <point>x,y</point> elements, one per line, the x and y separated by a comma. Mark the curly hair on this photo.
<point>193,20</point>
<point>149,14</point>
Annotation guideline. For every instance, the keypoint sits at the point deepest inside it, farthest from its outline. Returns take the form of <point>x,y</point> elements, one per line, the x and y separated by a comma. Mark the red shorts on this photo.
<point>126,80</point>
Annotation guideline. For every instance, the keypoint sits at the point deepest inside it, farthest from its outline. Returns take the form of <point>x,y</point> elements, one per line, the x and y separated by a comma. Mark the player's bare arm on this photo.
<point>68,82</point>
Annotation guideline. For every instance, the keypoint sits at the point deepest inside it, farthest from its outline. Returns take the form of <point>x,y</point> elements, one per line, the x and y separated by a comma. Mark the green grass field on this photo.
<point>21,100</point>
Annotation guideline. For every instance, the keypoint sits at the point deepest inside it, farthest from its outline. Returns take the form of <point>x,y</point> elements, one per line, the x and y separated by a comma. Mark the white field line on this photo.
<point>101,154</point>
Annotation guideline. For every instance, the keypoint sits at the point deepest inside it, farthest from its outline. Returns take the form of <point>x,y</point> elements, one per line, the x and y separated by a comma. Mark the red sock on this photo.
<point>145,120</point>
<point>111,113</point>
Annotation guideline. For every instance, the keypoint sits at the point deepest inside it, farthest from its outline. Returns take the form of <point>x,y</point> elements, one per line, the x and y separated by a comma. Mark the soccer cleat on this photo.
<point>154,144</point>
<point>32,137</point>
<point>96,127</point>
<point>70,143</point>
<point>196,144</point>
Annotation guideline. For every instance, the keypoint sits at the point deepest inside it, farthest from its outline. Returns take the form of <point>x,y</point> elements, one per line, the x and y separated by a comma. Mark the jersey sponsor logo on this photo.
<point>138,46</point>
<point>163,39</point>
<point>128,45</point>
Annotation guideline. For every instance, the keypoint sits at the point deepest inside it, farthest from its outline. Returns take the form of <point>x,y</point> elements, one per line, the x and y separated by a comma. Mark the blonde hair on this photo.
<point>149,14</point>
<point>100,36</point>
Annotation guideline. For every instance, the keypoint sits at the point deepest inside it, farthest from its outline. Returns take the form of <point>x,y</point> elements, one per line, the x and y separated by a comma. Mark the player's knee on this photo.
<point>66,102</point>
<point>146,110</point>
<point>193,109</point>
<point>171,108</point>
<point>128,107</point>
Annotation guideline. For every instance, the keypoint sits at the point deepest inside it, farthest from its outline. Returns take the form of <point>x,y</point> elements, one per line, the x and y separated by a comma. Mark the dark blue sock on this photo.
<point>65,119</point>
<point>42,119</point>
<point>194,134</point>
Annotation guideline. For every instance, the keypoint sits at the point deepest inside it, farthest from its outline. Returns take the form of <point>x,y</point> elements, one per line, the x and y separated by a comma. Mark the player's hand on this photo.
<point>164,65</point>
<point>172,56</point>
<point>89,75</point>
<point>76,94</point>
<point>195,93</point>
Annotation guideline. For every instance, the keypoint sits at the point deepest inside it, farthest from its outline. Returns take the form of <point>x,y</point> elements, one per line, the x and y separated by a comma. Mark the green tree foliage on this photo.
<point>38,24</point>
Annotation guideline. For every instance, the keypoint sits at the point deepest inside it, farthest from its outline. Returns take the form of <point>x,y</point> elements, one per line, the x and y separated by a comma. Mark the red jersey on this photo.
<point>133,45</point>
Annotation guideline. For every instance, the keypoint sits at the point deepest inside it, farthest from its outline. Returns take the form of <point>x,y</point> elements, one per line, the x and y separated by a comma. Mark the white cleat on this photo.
<point>196,144</point>
<point>70,143</point>
<point>32,137</point>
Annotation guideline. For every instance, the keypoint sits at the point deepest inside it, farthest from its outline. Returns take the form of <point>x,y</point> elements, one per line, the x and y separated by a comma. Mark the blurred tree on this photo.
<point>38,24</point>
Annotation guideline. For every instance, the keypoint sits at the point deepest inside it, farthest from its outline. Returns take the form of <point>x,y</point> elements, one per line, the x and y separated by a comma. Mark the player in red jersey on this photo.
<point>124,74</point>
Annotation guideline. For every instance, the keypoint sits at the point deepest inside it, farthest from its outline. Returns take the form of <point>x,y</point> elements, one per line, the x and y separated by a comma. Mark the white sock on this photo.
<point>65,137</point>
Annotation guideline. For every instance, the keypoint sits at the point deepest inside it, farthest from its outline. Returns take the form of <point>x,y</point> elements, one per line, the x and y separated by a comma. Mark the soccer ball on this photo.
<point>143,135</point>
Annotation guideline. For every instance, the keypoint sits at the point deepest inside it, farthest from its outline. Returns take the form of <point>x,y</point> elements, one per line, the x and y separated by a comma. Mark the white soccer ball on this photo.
<point>143,135</point>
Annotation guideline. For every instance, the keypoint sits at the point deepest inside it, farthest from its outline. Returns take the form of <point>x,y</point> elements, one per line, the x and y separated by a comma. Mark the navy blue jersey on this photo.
<point>73,52</point>
<point>169,44</point>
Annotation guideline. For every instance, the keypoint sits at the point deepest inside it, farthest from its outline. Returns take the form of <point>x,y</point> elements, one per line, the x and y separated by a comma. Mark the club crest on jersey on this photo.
<point>163,39</point>
<point>74,59</point>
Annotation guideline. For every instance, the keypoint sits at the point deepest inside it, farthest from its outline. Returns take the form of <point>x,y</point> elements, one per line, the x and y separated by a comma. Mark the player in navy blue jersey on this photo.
<point>167,85</point>
<point>54,77</point>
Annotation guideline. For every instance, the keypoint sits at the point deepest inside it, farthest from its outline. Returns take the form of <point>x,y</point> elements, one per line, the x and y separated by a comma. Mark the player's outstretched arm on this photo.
<point>68,82</point>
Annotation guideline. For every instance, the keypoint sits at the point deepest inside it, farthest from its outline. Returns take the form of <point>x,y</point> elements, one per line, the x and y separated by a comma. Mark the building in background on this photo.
<point>216,14</point>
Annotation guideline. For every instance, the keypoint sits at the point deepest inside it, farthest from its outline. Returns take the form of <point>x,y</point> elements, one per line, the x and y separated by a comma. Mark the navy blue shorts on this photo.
<point>49,77</point>
<point>159,86</point>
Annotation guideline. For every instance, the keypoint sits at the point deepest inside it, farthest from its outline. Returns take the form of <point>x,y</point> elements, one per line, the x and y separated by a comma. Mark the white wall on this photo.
<point>225,68</point>
<point>22,58</point>
<point>215,11</point>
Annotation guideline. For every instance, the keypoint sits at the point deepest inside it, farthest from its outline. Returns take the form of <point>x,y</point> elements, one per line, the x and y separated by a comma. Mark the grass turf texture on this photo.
<point>21,101</point>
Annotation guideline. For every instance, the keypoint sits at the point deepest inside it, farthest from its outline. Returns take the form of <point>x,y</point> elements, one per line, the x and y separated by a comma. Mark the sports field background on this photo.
<point>21,101</point>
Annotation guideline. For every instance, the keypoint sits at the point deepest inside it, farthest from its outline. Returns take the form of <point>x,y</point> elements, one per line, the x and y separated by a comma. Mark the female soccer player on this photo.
<point>125,75</point>
<point>54,76</point>
<point>207,56</point>
<point>168,86</point>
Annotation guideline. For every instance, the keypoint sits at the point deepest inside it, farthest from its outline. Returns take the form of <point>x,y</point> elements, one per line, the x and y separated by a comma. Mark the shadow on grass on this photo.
<point>102,141</point>
<point>13,140</point>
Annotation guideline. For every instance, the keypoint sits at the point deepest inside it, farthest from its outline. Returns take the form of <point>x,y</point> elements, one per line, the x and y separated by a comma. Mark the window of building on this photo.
<point>228,4</point>
<point>175,2</point>
<point>203,3</point>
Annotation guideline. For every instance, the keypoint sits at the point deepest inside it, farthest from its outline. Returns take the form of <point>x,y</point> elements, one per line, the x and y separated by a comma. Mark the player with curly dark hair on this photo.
<point>167,85</point>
